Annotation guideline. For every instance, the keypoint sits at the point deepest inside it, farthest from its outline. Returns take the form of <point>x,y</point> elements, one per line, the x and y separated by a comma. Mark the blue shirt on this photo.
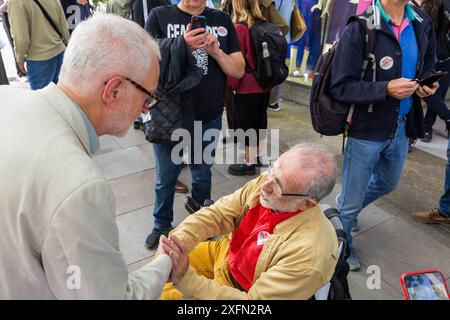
<point>410,49</point>
<point>94,143</point>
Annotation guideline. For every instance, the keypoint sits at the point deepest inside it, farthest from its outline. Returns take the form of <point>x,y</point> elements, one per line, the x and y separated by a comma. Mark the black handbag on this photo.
<point>165,118</point>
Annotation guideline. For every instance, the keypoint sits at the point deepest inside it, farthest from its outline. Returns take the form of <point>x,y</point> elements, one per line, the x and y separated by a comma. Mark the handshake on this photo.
<point>178,253</point>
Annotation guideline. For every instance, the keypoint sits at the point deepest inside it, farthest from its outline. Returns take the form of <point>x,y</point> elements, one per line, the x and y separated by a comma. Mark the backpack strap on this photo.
<point>369,59</point>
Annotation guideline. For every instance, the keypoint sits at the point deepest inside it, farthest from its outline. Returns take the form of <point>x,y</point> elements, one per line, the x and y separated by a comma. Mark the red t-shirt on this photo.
<point>248,241</point>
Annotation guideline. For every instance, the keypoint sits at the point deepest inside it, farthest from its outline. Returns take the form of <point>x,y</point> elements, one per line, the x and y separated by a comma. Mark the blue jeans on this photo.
<point>444,202</point>
<point>370,169</point>
<point>167,173</point>
<point>41,73</point>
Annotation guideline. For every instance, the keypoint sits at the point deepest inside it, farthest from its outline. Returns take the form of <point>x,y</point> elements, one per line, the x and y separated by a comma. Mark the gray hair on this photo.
<point>106,45</point>
<point>321,163</point>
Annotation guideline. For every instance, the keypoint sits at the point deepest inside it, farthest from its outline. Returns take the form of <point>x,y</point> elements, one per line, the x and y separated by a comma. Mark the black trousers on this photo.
<point>436,103</point>
<point>228,104</point>
<point>250,112</point>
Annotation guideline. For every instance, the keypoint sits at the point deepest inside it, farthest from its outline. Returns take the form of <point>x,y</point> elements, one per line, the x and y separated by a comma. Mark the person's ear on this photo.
<point>308,204</point>
<point>111,90</point>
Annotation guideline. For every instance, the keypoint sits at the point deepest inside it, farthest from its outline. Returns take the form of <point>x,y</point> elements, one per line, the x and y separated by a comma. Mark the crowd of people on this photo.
<point>270,238</point>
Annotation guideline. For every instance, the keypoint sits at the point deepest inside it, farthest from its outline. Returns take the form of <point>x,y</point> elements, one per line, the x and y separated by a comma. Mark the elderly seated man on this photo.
<point>280,244</point>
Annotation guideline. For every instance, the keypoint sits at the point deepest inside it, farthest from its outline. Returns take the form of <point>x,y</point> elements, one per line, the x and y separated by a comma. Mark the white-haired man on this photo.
<point>58,235</point>
<point>280,244</point>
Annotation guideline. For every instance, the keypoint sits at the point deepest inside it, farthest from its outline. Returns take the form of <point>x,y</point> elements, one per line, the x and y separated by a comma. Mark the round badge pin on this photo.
<point>222,31</point>
<point>386,63</point>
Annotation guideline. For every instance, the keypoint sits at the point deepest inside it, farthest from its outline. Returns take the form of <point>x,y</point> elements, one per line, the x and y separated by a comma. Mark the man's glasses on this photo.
<point>152,99</point>
<point>280,187</point>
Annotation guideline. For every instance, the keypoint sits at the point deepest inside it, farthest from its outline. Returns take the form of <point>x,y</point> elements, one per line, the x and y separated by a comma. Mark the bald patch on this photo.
<point>298,167</point>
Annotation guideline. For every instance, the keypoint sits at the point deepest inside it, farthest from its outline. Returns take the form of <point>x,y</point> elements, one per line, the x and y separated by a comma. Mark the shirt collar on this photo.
<point>94,143</point>
<point>409,13</point>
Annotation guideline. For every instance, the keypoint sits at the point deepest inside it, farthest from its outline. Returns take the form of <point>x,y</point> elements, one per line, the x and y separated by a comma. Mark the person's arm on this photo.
<point>232,65</point>
<point>152,24</point>
<point>346,84</point>
<point>242,35</point>
<point>231,62</point>
<point>220,218</point>
<point>81,255</point>
<point>19,29</point>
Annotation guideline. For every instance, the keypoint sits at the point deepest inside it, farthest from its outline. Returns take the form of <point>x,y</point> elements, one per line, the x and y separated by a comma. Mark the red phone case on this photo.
<point>198,22</point>
<point>405,290</point>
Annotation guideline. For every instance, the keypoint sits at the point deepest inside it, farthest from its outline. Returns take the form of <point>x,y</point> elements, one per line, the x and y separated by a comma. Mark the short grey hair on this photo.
<point>105,45</point>
<point>318,159</point>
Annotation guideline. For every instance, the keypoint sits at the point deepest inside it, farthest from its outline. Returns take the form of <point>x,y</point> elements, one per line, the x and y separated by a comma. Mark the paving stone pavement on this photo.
<point>388,238</point>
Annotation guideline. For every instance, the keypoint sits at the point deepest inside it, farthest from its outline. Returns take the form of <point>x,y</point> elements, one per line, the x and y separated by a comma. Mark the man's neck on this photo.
<point>395,9</point>
<point>82,103</point>
<point>190,10</point>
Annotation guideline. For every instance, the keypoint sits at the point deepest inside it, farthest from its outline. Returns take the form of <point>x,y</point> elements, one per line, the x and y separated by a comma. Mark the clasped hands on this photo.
<point>179,255</point>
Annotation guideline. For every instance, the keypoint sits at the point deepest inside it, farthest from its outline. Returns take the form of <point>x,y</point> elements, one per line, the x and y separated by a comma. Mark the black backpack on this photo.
<point>328,116</point>
<point>269,71</point>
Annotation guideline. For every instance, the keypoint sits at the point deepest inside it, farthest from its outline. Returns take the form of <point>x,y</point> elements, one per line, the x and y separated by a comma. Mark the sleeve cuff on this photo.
<point>187,284</point>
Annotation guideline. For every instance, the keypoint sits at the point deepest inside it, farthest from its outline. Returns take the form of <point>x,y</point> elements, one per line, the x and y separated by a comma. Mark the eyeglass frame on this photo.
<point>277,182</point>
<point>154,96</point>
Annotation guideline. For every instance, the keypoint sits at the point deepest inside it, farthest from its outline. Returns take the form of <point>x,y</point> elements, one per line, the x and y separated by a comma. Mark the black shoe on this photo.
<point>242,169</point>
<point>259,162</point>
<point>427,136</point>
<point>193,206</point>
<point>152,240</point>
<point>274,107</point>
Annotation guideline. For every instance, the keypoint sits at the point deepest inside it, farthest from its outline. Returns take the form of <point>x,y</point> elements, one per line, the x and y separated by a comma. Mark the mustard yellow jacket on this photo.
<point>297,259</point>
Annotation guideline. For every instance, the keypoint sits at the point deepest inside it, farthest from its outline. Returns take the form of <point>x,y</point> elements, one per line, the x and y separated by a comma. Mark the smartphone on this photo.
<point>431,79</point>
<point>424,285</point>
<point>198,22</point>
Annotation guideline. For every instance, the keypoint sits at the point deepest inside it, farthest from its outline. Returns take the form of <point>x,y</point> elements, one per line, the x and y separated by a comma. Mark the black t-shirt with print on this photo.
<point>208,96</point>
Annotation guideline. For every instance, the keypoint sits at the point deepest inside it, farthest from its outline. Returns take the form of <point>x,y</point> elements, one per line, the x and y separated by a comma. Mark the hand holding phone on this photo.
<point>196,36</point>
<point>424,285</point>
<point>431,79</point>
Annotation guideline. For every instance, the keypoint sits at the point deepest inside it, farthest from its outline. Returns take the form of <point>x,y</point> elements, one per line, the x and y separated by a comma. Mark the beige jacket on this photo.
<point>34,38</point>
<point>297,259</point>
<point>58,235</point>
